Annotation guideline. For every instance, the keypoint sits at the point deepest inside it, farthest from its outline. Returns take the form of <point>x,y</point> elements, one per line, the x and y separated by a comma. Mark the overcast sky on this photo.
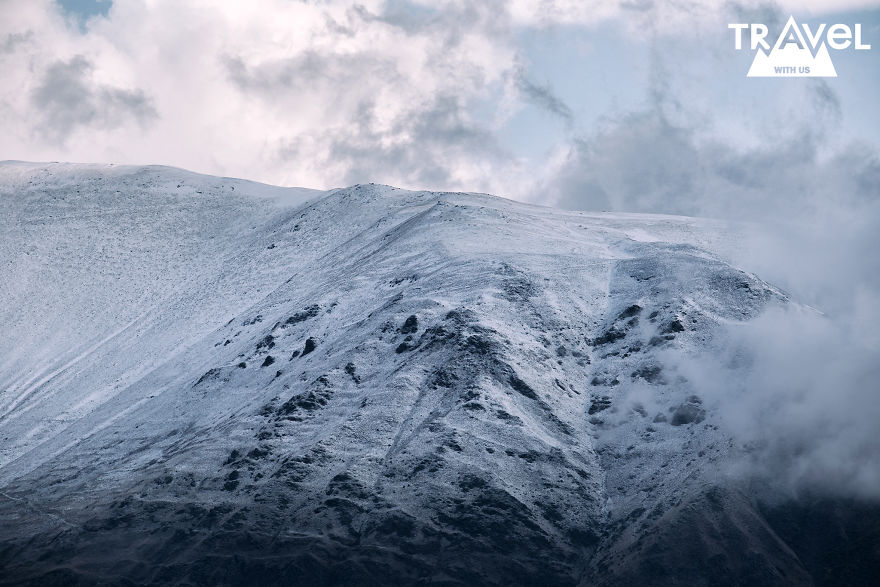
<point>511,98</point>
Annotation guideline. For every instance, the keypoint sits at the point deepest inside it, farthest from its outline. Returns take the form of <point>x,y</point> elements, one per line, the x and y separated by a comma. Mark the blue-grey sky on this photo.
<point>86,8</point>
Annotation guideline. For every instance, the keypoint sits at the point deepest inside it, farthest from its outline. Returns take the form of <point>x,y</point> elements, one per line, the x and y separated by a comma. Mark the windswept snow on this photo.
<point>359,383</point>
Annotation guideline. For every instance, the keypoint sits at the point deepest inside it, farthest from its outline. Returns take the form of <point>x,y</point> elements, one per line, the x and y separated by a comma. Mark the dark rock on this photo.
<point>209,374</point>
<point>599,404</point>
<point>609,336</point>
<point>316,397</point>
<point>350,369</point>
<point>479,344</point>
<point>633,310</point>
<point>522,387</point>
<point>410,325</point>
<point>674,326</point>
<point>650,373</point>
<point>687,413</point>
<point>258,453</point>
<point>503,415</point>
<point>442,378</point>
<point>252,321</point>
<point>309,312</point>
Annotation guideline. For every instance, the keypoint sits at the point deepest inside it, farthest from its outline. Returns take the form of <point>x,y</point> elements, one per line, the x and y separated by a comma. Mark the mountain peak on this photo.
<point>369,383</point>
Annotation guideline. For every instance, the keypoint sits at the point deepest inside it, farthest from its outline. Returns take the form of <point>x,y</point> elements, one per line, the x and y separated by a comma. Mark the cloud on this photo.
<point>13,40</point>
<point>311,94</point>
<point>316,94</point>
<point>819,7</point>
<point>796,388</point>
<point>543,97</point>
<point>665,17</point>
<point>825,101</point>
<point>645,162</point>
<point>67,98</point>
<point>798,392</point>
<point>437,135</point>
<point>417,147</point>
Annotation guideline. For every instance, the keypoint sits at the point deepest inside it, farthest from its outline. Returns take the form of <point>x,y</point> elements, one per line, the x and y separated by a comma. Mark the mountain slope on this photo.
<point>208,381</point>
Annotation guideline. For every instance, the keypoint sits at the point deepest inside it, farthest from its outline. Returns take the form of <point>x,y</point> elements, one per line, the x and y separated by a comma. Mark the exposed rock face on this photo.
<point>372,386</point>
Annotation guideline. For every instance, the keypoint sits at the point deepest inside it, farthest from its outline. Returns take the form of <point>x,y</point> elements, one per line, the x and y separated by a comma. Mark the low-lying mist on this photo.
<point>798,387</point>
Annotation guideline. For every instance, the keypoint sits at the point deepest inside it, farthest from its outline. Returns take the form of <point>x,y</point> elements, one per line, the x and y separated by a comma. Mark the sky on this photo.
<point>628,105</point>
<point>499,97</point>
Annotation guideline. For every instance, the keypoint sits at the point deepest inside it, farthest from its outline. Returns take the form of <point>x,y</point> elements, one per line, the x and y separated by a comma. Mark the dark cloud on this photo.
<point>420,147</point>
<point>642,163</point>
<point>543,97</point>
<point>488,17</point>
<point>767,13</point>
<point>407,17</point>
<point>341,72</point>
<point>638,5</point>
<point>14,40</point>
<point>68,98</point>
<point>647,162</point>
<point>275,79</point>
<point>825,101</point>
<point>418,135</point>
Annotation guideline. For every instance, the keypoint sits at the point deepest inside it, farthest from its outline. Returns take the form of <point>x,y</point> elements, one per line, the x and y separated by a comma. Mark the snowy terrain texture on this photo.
<point>207,381</point>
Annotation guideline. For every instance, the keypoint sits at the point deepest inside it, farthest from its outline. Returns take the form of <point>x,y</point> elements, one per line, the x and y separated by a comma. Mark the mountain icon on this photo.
<point>791,57</point>
<point>792,61</point>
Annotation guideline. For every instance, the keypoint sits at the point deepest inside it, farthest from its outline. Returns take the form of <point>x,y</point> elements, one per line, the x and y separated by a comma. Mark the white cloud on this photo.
<point>314,94</point>
<point>285,92</point>
<point>799,391</point>
<point>819,7</point>
<point>666,16</point>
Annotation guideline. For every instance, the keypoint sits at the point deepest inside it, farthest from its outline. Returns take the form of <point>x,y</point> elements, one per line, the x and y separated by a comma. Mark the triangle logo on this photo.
<point>791,57</point>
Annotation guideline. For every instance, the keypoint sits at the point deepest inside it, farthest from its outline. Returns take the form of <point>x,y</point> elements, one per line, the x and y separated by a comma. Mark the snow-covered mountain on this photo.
<point>210,381</point>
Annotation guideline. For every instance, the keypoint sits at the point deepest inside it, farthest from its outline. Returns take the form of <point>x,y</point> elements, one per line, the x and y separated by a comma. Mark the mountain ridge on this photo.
<point>365,384</point>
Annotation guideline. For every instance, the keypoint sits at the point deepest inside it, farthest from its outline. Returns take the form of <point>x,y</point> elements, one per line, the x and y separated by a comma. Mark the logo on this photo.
<point>798,51</point>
